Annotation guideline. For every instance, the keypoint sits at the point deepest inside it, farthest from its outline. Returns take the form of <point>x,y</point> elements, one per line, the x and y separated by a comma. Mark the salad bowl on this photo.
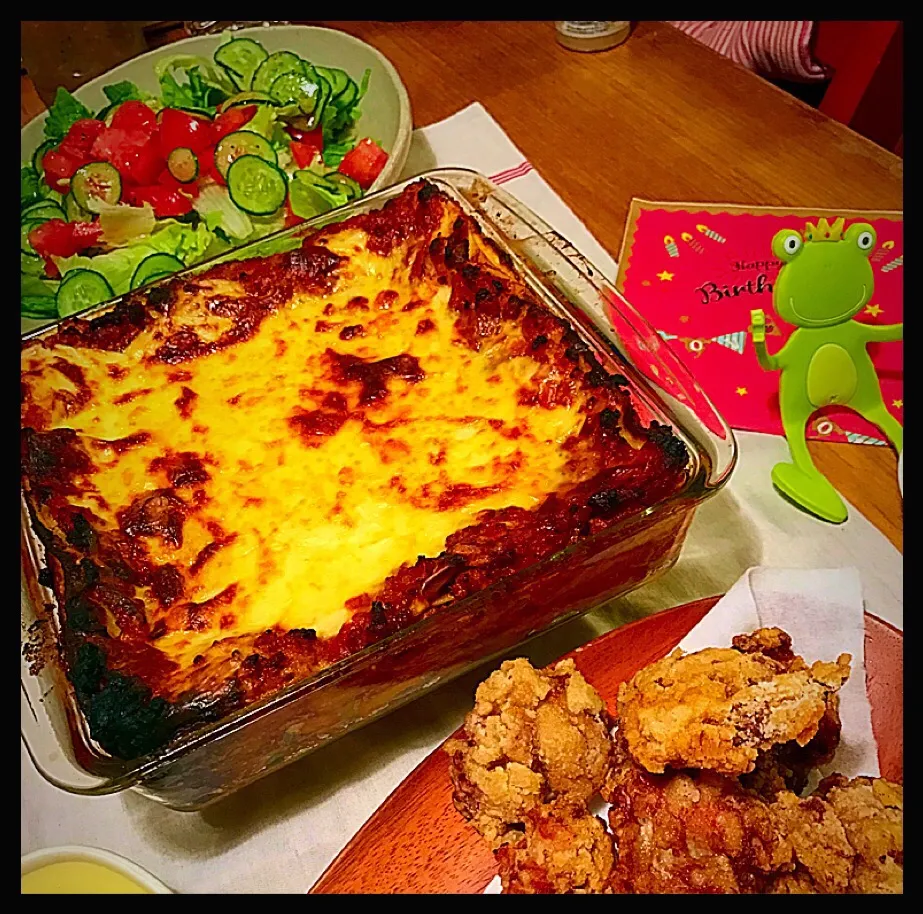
<point>381,112</point>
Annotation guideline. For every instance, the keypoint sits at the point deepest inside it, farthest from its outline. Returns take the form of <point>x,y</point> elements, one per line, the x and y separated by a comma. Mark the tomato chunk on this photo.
<point>64,239</point>
<point>167,180</point>
<point>364,162</point>
<point>132,151</point>
<point>207,167</point>
<point>178,128</point>
<point>134,115</point>
<point>142,165</point>
<point>165,200</point>
<point>59,168</point>
<point>307,146</point>
<point>231,120</point>
<point>80,138</point>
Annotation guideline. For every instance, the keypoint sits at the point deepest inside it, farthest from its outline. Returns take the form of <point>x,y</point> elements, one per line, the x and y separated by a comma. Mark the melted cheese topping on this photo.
<point>295,524</point>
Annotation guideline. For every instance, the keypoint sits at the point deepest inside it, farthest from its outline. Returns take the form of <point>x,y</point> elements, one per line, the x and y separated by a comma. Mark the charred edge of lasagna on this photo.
<point>125,716</point>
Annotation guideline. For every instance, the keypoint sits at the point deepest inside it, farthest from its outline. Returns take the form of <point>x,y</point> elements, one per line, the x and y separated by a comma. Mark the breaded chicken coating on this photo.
<point>718,708</point>
<point>532,737</point>
<point>688,832</point>
<point>564,850</point>
<point>847,838</point>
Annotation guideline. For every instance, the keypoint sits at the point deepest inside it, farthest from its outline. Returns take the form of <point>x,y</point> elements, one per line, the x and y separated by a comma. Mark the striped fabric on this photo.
<point>508,174</point>
<point>778,49</point>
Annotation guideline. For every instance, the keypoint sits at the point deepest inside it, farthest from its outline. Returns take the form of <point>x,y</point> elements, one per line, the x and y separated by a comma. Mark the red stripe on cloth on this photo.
<point>501,177</point>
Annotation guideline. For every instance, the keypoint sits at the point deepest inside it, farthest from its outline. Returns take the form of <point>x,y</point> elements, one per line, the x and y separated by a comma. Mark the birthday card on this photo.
<point>696,271</point>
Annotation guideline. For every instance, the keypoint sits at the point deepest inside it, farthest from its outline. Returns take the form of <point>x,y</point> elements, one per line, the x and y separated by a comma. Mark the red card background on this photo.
<point>686,288</point>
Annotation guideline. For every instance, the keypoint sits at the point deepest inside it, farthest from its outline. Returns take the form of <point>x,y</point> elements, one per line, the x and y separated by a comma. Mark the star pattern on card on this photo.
<point>899,404</point>
<point>874,310</point>
<point>645,282</point>
<point>684,319</point>
<point>742,391</point>
<point>665,275</point>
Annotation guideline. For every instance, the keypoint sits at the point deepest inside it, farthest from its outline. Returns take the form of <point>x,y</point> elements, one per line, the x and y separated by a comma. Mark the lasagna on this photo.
<point>242,478</point>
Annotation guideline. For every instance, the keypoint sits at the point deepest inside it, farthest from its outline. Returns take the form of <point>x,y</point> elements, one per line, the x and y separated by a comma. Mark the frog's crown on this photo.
<point>824,231</point>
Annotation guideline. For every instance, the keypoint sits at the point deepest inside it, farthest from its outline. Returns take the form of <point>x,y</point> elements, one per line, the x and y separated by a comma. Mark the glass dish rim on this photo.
<point>698,487</point>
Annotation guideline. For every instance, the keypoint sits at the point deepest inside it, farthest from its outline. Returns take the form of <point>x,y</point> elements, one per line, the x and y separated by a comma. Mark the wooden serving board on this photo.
<point>417,843</point>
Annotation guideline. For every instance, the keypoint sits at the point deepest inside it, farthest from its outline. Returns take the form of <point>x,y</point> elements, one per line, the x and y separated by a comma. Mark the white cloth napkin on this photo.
<point>473,139</point>
<point>279,835</point>
<point>822,611</point>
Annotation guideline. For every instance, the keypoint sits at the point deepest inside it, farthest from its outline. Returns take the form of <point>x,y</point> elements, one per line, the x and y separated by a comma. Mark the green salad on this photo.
<point>230,150</point>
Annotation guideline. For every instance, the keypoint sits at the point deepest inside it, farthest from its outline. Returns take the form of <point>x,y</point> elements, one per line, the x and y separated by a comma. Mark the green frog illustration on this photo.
<point>825,280</point>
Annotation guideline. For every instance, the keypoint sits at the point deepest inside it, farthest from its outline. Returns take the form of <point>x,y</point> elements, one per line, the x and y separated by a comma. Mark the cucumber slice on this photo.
<point>258,187</point>
<point>38,307</point>
<point>304,200</point>
<point>242,143</point>
<point>351,187</point>
<point>42,212</point>
<point>156,277</point>
<point>273,67</point>
<point>98,181</point>
<point>183,165</point>
<point>153,267</point>
<point>74,212</point>
<point>82,289</point>
<point>31,265</point>
<point>338,79</point>
<point>348,97</point>
<point>246,98</point>
<point>240,58</point>
<point>323,98</point>
<point>24,229</point>
<point>39,154</point>
<point>295,87</point>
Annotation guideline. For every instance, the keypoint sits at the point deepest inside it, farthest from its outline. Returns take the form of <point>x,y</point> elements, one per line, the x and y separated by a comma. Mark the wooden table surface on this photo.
<point>660,117</point>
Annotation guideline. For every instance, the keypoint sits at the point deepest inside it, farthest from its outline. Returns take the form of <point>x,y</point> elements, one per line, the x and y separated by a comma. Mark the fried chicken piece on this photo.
<point>565,850</point>
<point>688,832</point>
<point>532,736</point>
<point>718,708</point>
<point>788,766</point>
<point>847,838</point>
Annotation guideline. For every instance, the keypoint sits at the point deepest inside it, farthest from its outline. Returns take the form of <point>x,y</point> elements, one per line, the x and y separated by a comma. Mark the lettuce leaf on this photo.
<point>215,205</point>
<point>308,198</point>
<point>37,286</point>
<point>31,266</point>
<point>333,152</point>
<point>263,122</point>
<point>186,242</point>
<point>123,224</point>
<point>65,111</point>
<point>29,187</point>
<point>263,248</point>
<point>124,91</point>
<point>201,87</point>
<point>37,295</point>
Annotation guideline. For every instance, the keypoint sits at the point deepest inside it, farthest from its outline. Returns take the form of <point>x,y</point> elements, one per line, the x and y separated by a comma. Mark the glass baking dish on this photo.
<point>201,766</point>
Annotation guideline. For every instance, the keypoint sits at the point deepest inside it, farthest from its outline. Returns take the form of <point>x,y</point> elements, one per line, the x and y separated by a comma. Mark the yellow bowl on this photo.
<point>75,870</point>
